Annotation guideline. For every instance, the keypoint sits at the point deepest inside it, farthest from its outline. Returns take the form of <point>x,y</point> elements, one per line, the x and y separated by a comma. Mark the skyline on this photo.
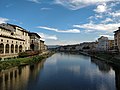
<point>61,22</point>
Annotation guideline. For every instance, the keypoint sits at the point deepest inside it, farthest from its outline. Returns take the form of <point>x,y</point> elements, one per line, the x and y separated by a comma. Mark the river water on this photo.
<point>62,71</point>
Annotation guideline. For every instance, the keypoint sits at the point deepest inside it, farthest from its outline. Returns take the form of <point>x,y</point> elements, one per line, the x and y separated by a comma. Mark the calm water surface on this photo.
<point>63,72</point>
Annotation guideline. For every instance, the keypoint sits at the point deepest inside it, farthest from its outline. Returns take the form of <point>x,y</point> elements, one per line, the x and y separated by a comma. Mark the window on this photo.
<point>12,33</point>
<point>12,41</point>
<point>7,40</point>
<point>1,40</point>
<point>25,34</point>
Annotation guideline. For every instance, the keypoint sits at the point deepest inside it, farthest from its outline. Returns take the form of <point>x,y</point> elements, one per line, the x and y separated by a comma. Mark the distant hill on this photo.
<point>53,46</point>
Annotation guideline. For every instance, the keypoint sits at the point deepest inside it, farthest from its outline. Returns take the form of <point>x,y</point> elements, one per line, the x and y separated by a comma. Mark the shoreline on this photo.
<point>16,62</point>
<point>109,58</point>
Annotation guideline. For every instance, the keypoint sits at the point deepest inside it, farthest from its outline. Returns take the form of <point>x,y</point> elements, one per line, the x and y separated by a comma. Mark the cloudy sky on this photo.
<point>61,22</point>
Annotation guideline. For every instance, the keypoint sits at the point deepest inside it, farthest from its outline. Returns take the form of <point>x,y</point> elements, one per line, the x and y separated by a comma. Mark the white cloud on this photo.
<point>77,4</point>
<point>46,36</point>
<point>115,14</point>
<point>105,10</point>
<point>45,9</point>
<point>35,1</point>
<point>99,27</point>
<point>106,13</point>
<point>3,20</point>
<point>98,16</point>
<point>101,8</point>
<point>107,20</point>
<point>109,36</point>
<point>68,42</point>
<point>61,31</point>
<point>114,4</point>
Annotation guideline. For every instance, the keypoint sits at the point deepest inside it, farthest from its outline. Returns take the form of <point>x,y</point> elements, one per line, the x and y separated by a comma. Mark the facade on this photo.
<point>46,47</point>
<point>103,44</point>
<point>42,45</point>
<point>67,48</point>
<point>87,46</point>
<point>110,44</point>
<point>15,39</point>
<point>34,41</point>
<point>117,39</point>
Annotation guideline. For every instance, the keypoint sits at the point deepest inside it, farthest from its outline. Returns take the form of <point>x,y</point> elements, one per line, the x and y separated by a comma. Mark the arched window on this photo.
<point>20,48</point>
<point>32,47</point>
<point>16,48</point>
<point>7,48</point>
<point>12,48</point>
<point>1,48</point>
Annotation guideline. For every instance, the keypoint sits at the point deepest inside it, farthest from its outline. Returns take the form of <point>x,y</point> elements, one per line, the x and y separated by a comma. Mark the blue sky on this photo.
<point>61,22</point>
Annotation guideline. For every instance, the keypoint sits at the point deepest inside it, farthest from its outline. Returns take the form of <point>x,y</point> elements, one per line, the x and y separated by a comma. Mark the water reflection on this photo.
<point>117,77</point>
<point>18,78</point>
<point>63,72</point>
<point>105,68</point>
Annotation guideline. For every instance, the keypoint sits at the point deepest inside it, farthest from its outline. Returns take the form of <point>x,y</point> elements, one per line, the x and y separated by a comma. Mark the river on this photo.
<point>62,71</point>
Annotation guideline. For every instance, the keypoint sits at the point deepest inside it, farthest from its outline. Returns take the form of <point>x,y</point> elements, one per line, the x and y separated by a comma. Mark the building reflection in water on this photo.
<point>117,77</point>
<point>103,67</point>
<point>18,78</point>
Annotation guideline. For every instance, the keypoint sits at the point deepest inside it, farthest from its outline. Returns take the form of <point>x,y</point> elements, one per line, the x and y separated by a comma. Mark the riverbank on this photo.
<point>16,62</point>
<point>109,58</point>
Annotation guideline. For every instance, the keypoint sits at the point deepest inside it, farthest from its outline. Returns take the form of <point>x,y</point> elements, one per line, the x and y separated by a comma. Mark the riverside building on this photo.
<point>117,39</point>
<point>103,44</point>
<point>15,39</point>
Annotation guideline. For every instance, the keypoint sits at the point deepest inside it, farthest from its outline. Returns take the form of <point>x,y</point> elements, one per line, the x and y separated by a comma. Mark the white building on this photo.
<point>87,46</point>
<point>103,44</point>
<point>15,39</point>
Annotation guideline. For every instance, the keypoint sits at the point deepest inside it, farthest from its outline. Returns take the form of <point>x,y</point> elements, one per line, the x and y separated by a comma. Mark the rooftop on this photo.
<point>117,30</point>
<point>32,33</point>
<point>7,27</point>
<point>14,26</point>
<point>11,27</point>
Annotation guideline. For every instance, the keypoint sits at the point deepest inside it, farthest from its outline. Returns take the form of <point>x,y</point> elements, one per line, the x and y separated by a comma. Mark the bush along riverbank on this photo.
<point>110,58</point>
<point>23,61</point>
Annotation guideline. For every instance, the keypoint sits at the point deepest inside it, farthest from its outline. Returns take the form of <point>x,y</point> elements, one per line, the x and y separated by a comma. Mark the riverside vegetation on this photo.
<point>23,60</point>
<point>110,58</point>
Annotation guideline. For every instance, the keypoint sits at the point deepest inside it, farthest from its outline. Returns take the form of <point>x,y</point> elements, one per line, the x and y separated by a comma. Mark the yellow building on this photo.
<point>110,44</point>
